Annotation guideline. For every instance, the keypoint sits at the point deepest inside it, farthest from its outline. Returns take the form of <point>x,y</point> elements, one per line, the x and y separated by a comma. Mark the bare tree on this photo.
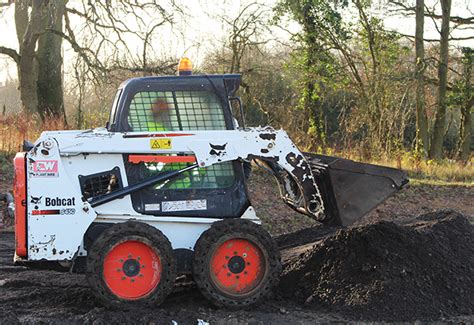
<point>42,26</point>
<point>111,24</point>
<point>449,24</point>
<point>436,148</point>
<point>420,66</point>
<point>28,27</point>
<point>79,87</point>
<point>247,30</point>
<point>50,63</point>
<point>458,23</point>
<point>465,131</point>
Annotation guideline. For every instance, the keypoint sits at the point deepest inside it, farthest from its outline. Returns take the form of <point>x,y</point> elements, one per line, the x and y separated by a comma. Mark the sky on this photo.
<point>202,31</point>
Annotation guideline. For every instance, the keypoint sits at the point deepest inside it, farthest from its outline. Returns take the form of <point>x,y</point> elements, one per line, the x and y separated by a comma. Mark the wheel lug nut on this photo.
<point>245,272</point>
<point>227,257</point>
<point>237,276</point>
<point>140,275</point>
<point>132,280</point>
<point>236,253</point>
<point>121,260</point>
<point>248,263</point>
<point>123,278</point>
<point>228,274</point>
<point>118,270</point>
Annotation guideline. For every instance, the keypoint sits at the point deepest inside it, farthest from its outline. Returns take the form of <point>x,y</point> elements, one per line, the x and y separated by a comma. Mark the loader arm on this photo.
<point>307,184</point>
<point>273,147</point>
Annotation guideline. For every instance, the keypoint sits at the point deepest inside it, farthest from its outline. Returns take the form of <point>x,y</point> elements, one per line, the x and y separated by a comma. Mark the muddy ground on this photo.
<point>392,266</point>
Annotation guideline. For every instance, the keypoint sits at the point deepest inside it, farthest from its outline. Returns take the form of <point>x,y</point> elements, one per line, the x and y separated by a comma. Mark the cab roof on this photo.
<point>231,81</point>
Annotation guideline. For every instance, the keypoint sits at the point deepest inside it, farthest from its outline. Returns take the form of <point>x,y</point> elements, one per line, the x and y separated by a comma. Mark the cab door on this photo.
<point>217,191</point>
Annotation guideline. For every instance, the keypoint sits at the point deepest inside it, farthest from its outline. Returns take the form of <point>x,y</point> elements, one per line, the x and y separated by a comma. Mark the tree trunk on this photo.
<point>436,148</point>
<point>49,56</point>
<point>21,19</point>
<point>422,139</point>
<point>311,105</point>
<point>28,28</point>
<point>465,134</point>
<point>27,32</point>
<point>28,75</point>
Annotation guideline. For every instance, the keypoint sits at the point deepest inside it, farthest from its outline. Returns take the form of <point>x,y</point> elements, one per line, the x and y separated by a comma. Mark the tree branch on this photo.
<point>403,7</point>
<point>6,4</point>
<point>11,53</point>
<point>434,40</point>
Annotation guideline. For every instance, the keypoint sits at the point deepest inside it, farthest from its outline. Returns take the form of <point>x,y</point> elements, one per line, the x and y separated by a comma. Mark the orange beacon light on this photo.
<point>185,68</point>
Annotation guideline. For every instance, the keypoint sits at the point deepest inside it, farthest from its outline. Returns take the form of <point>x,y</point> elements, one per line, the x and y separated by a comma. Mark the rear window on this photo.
<point>176,110</point>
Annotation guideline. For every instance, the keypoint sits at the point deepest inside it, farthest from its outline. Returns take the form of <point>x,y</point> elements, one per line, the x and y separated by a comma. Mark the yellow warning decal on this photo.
<point>162,143</point>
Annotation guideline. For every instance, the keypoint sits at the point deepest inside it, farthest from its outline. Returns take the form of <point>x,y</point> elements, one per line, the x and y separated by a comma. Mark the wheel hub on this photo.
<point>131,267</point>
<point>236,264</point>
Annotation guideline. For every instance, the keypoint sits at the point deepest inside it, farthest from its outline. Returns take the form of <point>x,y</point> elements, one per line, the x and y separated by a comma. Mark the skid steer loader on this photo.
<point>161,191</point>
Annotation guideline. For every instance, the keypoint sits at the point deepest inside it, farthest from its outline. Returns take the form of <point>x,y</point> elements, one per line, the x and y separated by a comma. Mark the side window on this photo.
<point>181,111</point>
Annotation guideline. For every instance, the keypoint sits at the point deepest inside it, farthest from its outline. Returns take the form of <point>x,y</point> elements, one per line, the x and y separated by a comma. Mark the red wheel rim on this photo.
<point>132,270</point>
<point>237,266</point>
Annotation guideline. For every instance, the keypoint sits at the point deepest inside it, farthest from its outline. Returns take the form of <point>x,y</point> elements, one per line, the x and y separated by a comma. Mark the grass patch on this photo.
<point>437,182</point>
<point>443,172</point>
<point>422,171</point>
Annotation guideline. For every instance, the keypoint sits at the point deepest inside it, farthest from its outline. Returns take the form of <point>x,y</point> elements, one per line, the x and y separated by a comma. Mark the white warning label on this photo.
<point>188,205</point>
<point>152,207</point>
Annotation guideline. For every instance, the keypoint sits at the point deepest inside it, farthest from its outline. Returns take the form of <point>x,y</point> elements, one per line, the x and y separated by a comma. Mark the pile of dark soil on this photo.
<point>304,236</point>
<point>383,271</point>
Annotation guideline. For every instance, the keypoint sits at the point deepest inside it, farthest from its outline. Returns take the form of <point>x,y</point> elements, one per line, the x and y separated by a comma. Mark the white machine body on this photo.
<point>58,216</point>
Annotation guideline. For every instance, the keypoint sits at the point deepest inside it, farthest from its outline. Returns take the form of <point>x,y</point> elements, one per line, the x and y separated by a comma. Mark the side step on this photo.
<point>352,189</point>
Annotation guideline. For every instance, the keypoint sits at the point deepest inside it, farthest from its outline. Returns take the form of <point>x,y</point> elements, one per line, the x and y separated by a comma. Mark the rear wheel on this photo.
<point>131,263</point>
<point>236,263</point>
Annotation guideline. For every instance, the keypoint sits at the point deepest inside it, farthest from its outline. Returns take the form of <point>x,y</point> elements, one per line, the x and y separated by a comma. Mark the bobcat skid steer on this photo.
<point>161,191</point>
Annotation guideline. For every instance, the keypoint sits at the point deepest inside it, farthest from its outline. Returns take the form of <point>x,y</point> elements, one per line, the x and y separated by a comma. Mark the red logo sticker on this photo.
<point>45,168</point>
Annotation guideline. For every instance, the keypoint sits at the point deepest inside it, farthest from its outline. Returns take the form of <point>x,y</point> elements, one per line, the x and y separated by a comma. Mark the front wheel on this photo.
<point>236,263</point>
<point>131,263</point>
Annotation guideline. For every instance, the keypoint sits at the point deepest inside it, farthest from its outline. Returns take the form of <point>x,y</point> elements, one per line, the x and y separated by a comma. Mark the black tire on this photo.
<point>130,233</point>
<point>205,254</point>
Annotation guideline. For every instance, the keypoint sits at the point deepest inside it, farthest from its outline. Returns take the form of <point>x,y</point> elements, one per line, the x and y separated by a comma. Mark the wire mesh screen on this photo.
<point>181,111</point>
<point>101,183</point>
<point>174,111</point>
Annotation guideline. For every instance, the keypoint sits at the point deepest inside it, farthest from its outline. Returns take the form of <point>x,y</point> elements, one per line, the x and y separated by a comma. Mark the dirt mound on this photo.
<point>383,271</point>
<point>304,236</point>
